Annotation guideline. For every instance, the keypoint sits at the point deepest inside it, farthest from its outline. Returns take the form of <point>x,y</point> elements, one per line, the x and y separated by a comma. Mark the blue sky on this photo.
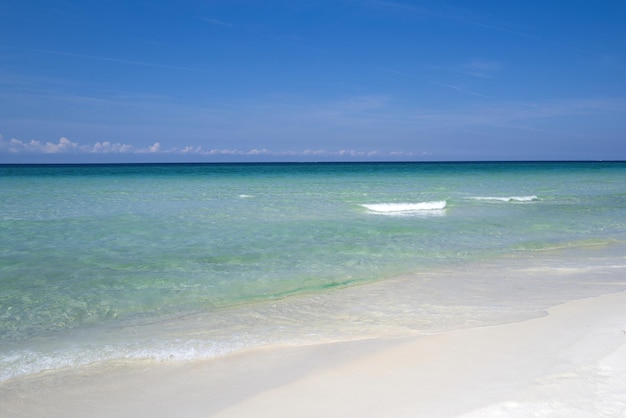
<point>299,80</point>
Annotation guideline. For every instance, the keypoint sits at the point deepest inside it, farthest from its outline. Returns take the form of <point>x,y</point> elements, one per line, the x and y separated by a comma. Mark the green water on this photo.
<point>89,249</point>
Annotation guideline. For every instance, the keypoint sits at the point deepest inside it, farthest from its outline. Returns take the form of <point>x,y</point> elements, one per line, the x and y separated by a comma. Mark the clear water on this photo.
<point>184,261</point>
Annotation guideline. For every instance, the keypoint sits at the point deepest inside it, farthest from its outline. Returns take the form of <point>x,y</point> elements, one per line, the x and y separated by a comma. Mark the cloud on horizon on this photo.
<point>66,146</point>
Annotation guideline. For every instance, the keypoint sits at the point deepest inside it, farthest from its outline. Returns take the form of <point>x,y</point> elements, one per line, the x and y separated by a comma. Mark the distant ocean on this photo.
<point>189,261</point>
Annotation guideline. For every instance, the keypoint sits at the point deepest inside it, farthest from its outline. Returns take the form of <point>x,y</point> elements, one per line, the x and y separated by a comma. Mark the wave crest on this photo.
<point>433,207</point>
<point>507,199</point>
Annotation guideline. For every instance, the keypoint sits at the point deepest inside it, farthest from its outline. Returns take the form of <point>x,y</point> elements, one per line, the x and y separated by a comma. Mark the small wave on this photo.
<point>28,362</point>
<point>435,207</point>
<point>508,198</point>
<point>561,245</point>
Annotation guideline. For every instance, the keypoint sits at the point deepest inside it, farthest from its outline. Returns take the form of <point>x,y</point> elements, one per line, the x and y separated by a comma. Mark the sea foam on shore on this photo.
<point>571,363</point>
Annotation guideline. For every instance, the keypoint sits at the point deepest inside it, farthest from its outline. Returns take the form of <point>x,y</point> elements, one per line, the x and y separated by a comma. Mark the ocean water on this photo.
<point>189,261</point>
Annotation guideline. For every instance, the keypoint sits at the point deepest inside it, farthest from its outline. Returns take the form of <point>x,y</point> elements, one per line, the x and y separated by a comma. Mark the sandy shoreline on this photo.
<point>571,362</point>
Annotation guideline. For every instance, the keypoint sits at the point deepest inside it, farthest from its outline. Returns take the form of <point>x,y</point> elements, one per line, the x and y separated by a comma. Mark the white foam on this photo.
<point>434,207</point>
<point>508,198</point>
<point>25,362</point>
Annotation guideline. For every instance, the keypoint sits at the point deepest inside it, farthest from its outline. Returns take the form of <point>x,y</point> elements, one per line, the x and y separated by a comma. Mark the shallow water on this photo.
<point>187,261</point>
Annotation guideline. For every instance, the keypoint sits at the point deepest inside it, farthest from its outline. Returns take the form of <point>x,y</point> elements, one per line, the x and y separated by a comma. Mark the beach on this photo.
<point>312,209</point>
<point>373,289</point>
<point>570,362</point>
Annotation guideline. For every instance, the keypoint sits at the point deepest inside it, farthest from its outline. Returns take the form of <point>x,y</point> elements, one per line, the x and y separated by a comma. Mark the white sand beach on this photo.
<point>569,363</point>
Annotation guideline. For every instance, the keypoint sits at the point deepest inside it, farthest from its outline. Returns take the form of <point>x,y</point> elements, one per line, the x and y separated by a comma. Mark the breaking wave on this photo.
<point>434,207</point>
<point>508,198</point>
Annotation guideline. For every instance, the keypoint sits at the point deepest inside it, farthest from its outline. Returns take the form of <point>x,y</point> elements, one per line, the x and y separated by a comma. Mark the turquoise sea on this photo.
<point>175,262</point>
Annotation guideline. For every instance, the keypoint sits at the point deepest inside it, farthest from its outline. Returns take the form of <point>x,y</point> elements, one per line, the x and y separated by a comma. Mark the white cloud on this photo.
<point>154,148</point>
<point>65,146</point>
<point>106,147</point>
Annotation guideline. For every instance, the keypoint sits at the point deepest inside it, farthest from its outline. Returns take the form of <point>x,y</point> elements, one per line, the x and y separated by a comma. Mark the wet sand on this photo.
<point>571,362</point>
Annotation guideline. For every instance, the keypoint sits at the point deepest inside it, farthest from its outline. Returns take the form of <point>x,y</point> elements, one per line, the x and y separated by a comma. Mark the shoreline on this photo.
<point>571,362</point>
<point>501,290</point>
